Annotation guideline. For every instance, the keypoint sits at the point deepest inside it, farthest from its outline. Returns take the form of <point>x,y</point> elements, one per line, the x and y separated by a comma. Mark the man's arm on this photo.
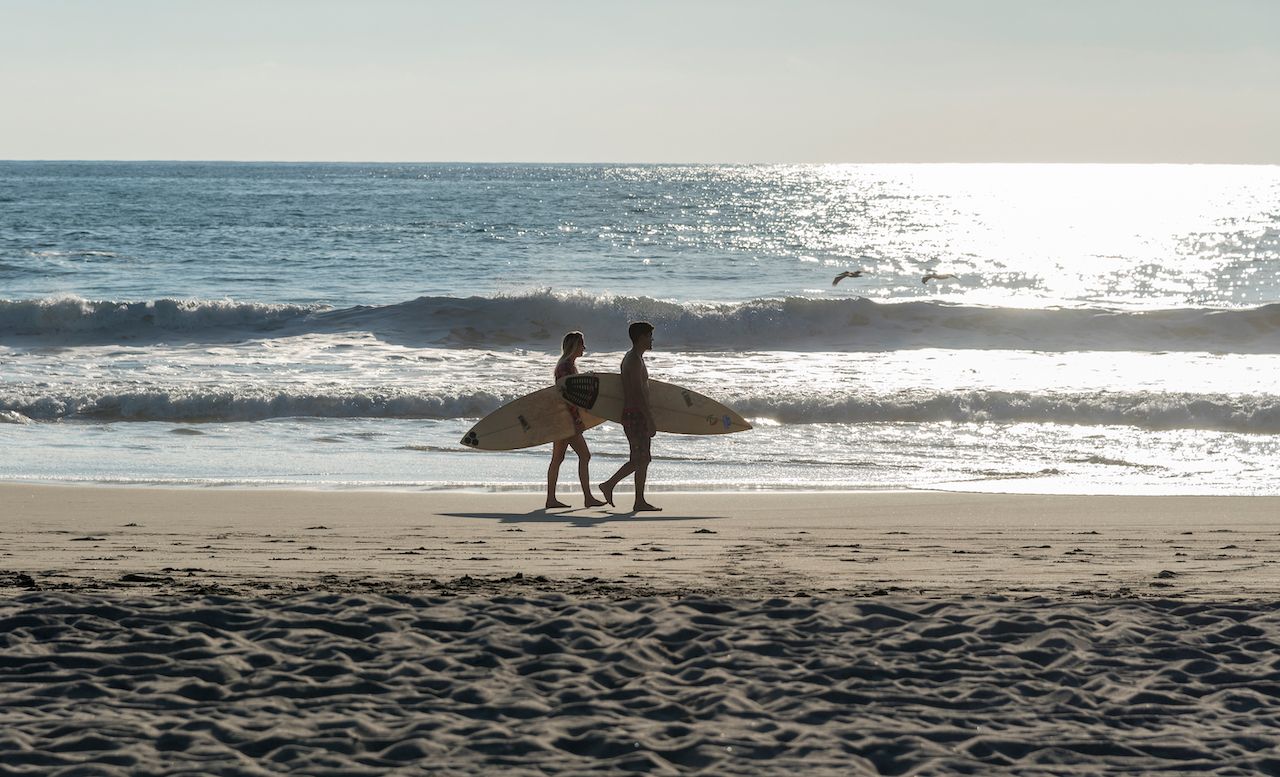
<point>644,392</point>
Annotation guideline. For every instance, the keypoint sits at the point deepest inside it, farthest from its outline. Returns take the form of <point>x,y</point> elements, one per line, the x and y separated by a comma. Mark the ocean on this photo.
<point>1107,329</point>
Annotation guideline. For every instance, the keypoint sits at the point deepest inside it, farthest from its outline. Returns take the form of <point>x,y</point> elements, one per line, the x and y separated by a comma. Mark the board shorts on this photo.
<point>636,427</point>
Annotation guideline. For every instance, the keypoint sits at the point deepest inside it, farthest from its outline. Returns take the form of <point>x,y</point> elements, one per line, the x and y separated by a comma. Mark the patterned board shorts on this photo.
<point>636,427</point>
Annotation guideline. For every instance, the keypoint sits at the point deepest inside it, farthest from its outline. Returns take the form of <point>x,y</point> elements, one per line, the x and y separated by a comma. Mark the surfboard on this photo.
<point>675,409</point>
<point>534,419</point>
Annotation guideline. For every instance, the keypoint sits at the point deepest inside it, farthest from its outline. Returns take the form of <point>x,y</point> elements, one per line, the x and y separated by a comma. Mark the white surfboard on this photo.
<point>534,419</point>
<point>675,408</point>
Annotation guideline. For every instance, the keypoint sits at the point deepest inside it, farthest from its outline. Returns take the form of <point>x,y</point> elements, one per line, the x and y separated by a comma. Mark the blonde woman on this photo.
<point>573,346</point>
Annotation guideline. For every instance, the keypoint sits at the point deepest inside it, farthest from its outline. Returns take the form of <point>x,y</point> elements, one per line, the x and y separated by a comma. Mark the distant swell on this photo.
<point>538,320</point>
<point>1248,414</point>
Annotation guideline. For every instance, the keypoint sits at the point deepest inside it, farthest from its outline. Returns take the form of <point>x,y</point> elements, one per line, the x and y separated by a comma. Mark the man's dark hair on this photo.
<point>639,329</point>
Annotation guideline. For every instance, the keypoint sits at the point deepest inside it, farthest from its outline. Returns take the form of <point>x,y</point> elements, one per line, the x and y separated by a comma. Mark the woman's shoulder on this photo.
<point>565,367</point>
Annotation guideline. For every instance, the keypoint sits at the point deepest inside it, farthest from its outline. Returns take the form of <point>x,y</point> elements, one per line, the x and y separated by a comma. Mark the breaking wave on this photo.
<point>1159,411</point>
<point>87,319</point>
<point>1152,411</point>
<point>538,320</point>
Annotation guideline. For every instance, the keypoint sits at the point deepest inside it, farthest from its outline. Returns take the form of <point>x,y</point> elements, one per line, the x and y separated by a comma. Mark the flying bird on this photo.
<point>847,274</point>
<point>936,277</point>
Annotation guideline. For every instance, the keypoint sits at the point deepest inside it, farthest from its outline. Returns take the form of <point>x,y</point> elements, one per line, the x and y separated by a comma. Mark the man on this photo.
<point>637,416</point>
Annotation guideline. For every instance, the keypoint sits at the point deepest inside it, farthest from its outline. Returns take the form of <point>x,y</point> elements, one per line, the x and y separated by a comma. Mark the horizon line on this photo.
<point>35,160</point>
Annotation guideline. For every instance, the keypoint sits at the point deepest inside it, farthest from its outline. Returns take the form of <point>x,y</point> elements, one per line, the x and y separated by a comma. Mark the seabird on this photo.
<point>847,274</point>
<point>936,277</point>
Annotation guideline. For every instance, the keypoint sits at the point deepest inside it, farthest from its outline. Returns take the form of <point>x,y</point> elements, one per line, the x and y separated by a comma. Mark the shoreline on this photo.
<point>572,491</point>
<point>189,540</point>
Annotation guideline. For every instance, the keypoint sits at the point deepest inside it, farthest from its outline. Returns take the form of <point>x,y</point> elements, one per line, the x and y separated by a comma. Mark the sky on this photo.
<point>642,81</point>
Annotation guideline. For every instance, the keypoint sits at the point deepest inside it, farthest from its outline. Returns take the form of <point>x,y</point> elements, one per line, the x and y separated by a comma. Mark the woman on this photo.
<point>573,346</point>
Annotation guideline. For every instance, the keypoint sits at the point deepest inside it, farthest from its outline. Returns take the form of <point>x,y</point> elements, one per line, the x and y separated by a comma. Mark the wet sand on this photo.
<point>742,543</point>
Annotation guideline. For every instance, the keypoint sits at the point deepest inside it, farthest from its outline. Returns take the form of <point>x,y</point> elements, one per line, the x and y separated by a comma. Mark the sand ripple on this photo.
<point>544,683</point>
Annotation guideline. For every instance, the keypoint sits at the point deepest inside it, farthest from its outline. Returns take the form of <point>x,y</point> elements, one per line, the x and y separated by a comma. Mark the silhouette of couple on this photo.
<point>637,421</point>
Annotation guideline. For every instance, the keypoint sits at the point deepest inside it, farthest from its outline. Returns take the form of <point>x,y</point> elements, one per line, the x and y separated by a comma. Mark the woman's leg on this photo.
<point>579,444</point>
<point>553,472</point>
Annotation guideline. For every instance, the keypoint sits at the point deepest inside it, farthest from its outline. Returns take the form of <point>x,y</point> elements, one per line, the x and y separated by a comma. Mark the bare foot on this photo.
<point>607,491</point>
<point>554,503</point>
<point>643,507</point>
<point>593,502</point>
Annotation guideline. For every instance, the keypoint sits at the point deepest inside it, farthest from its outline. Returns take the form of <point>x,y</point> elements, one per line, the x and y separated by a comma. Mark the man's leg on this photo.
<point>638,443</point>
<point>642,458</point>
<point>606,488</point>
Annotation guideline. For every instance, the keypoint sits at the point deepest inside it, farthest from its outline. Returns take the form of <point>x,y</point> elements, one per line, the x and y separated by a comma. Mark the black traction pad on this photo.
<point>581,390</point>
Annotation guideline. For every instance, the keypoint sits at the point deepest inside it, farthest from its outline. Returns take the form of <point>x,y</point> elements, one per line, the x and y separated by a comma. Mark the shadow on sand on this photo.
<point>580,517</point>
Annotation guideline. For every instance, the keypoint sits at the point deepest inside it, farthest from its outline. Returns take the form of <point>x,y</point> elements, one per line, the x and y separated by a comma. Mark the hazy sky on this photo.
<point>628,80</point>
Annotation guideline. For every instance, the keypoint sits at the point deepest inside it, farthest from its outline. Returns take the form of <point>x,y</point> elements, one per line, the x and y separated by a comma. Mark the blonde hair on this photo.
<point>571,340</point>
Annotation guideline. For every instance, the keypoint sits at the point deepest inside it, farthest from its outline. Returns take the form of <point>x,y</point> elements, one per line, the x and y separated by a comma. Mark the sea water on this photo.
<point>1108,329</point>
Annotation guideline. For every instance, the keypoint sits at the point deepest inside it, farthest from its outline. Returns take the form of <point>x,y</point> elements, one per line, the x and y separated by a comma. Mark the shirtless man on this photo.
<point>637,416</point>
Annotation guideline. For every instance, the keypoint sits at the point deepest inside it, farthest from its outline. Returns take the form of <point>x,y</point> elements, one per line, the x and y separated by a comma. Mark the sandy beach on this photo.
<point>200,631</point>
<point>750,544</point>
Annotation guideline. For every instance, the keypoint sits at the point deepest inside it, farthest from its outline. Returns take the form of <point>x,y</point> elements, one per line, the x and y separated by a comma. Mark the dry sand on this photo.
<point>150,631</point>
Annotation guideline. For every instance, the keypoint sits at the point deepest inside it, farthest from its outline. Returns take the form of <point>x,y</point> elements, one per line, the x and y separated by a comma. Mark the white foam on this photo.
<point>89,254</point>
